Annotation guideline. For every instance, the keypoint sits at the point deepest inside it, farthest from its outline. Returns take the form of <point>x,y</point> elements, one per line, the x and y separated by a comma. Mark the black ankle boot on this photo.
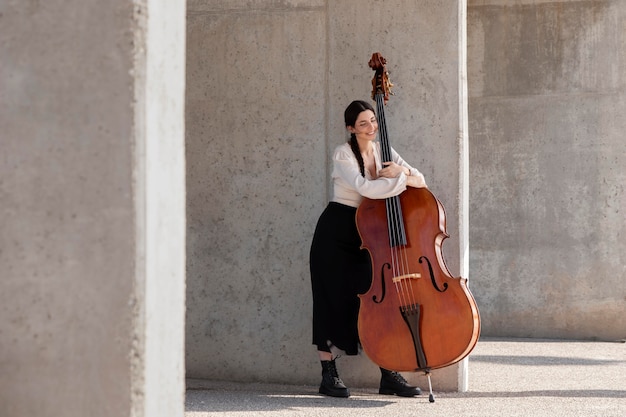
<point>331,384</point>
<point>392,383</point>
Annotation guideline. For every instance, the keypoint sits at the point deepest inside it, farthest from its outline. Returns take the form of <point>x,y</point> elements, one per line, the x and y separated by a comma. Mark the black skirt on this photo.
<point>340,270</point>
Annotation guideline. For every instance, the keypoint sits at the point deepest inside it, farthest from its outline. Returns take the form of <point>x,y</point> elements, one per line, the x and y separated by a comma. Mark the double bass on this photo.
<point>415,315</point>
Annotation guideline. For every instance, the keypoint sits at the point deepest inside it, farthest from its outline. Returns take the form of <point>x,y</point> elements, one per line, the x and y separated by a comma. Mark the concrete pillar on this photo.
<point>92,191</point>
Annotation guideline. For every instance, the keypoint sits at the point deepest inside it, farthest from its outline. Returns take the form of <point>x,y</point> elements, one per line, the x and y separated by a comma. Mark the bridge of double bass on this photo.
<point>401,278</point>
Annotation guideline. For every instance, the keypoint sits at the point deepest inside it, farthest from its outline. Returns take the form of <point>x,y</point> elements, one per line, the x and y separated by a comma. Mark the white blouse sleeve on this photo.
<point>398,160</point>
<point>347,174</point>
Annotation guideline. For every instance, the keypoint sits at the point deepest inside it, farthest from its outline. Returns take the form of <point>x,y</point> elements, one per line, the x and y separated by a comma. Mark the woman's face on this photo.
<point>366,127</point>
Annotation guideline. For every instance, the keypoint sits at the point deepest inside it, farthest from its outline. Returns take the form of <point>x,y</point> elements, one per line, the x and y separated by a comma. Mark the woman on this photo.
<point>339,268</point>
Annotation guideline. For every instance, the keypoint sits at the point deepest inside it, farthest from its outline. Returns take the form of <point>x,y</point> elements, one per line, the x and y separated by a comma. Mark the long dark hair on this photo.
<point>350,115</point>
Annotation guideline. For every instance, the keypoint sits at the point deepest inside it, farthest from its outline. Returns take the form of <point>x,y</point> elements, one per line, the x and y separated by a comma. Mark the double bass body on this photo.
<point>415,317</point>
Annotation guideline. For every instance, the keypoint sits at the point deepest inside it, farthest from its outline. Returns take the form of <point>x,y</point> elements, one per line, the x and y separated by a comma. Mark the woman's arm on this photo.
<point>399,166</point>
<point>347,175</point>
<point>416,181</point>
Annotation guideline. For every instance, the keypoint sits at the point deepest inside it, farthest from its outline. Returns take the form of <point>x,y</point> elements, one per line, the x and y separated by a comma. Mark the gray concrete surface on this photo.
<point>508,377</point>
<point>92,208</point>
<point>266,86</point>
<point>82,102</point>
<point>547,99</point>
<point>266,90</point>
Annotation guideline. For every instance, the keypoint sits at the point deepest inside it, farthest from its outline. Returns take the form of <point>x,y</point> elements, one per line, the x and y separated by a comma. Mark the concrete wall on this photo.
<point>92,208</point>
<point>267,83</point>
<point>547,84</point>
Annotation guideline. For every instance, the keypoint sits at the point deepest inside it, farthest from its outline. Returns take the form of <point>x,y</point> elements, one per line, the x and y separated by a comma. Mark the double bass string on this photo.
<point>395,222</point>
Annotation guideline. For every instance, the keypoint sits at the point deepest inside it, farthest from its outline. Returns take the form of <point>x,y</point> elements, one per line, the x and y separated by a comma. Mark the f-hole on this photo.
<point>382,284</point>
<point>432,275</point>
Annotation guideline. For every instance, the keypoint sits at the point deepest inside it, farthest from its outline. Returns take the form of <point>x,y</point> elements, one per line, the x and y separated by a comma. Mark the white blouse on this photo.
<point>349,186</point>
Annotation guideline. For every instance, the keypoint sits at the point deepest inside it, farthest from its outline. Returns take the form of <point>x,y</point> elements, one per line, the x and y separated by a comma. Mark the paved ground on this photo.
<point>509,378</point>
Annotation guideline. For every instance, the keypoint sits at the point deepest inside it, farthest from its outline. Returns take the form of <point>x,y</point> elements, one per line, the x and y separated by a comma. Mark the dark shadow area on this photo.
<point>505,339</point>
<point>541,360</point>
<point>218,400</point>
<point>545,393</point>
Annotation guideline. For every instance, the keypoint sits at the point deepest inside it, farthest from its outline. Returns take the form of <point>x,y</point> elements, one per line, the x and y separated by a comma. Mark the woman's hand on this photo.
<point>416,181</point>
<point>392,170</point>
